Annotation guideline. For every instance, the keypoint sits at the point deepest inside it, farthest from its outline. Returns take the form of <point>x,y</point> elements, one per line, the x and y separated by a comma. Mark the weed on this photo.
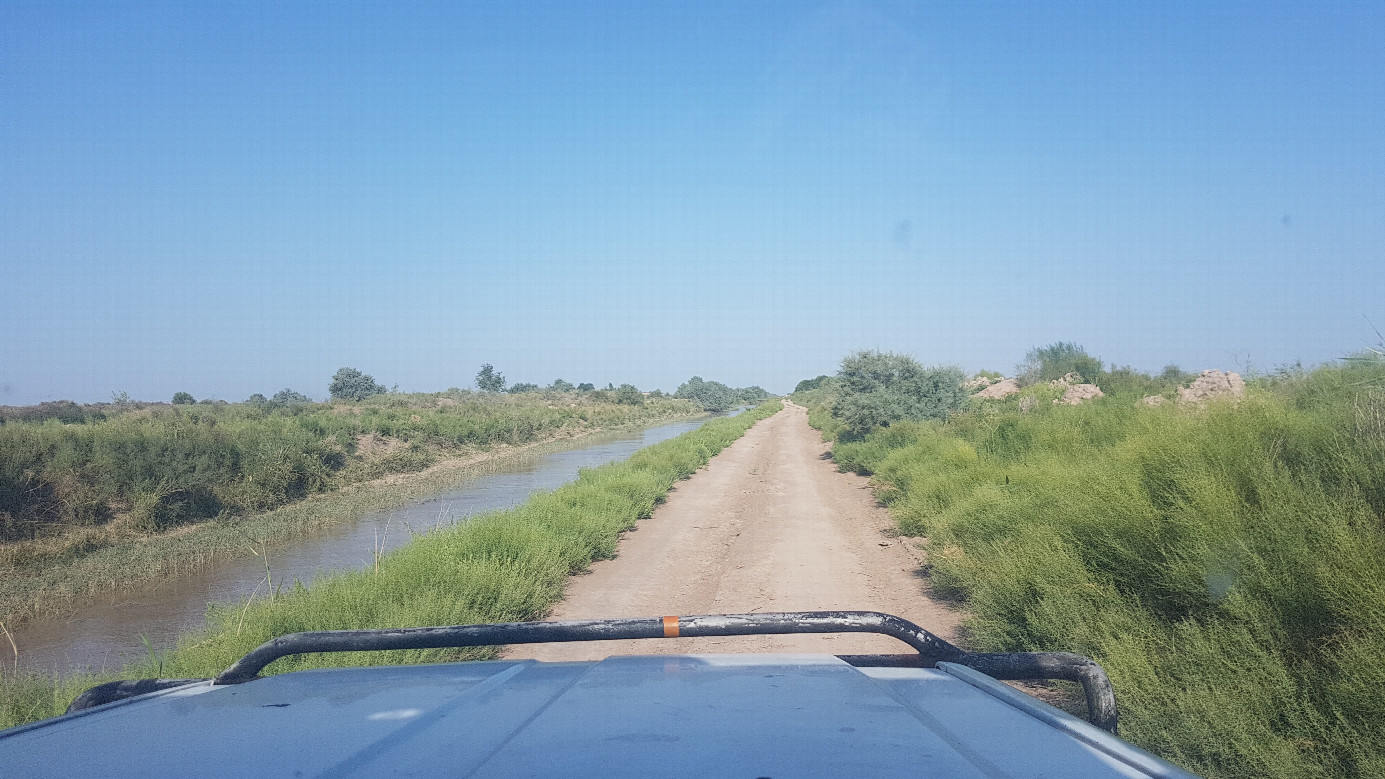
<point>1226,565</point>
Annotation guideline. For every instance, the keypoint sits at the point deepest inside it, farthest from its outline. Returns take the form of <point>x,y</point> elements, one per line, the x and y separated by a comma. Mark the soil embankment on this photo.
<point>769,525</point>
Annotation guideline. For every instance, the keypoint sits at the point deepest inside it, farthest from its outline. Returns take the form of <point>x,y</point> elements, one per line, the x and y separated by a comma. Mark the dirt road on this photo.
<point>769,525</point>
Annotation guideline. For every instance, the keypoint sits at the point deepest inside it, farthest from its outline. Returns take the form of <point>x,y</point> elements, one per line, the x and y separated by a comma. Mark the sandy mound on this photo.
<point>1078,393</point>
<point>1211,385</point>
<point>999,390</point>
<point>978,382</point>
<point>1152,400</point>
<point>1068,380</point>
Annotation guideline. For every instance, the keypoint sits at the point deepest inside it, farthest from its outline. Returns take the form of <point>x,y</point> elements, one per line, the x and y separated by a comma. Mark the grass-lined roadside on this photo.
<point>1226,564</point>
<point>503,566</point>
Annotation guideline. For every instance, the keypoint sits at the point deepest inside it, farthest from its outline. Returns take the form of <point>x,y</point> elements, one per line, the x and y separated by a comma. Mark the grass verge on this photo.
<point>1226,564</point>
<point>504,566</point>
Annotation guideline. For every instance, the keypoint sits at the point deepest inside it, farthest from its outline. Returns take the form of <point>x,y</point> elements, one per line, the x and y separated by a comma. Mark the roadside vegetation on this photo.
<point>715,396</point>
<point>1224,561</point>
<point>77,479</point>
<point>504,566</point>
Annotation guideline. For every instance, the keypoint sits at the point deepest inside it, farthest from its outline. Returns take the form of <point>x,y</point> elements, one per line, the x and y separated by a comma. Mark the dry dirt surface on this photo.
<point>768,525</point>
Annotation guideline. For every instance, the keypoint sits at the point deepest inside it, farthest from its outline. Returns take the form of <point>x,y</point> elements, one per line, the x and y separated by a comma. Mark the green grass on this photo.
<point>505,566</point>
<point>1226,565</point>
<point>163,466</point>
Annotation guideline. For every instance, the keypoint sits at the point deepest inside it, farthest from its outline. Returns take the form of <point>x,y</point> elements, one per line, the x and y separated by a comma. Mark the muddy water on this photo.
<point>110,631</point>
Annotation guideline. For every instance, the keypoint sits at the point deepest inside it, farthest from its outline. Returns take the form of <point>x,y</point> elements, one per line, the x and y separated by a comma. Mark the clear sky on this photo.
<point>234,198</point>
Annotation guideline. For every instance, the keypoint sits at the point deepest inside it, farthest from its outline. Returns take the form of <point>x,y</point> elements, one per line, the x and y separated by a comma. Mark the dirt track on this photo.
<point>769,525</point>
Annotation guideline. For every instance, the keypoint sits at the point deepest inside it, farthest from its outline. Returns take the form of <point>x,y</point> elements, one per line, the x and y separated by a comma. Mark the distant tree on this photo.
<point>287,397</point>
<point>1048,363</point>
<point>519,387</point>
<point>811,384</point>
<point>351,384</point>
<point>710,395</point>
<point>656,393</point>
<point>751,395</point>
<point>629,395</point>
<point>559,385</point>
<point>183,399</point>
<point>1172,374</point>
<point>488,380</point>
<point>257,400</point>
<point>610,387</point>
<point>586,386</point>
<point>877,389</point>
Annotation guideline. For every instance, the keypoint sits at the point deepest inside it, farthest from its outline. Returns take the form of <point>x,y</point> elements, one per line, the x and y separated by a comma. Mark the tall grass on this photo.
<point>503,566</point>
<point>162,466</point>
<point>1226,565</point>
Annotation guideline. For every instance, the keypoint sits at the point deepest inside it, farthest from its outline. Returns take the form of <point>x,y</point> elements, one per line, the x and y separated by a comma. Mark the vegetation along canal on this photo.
<point>114,629</point>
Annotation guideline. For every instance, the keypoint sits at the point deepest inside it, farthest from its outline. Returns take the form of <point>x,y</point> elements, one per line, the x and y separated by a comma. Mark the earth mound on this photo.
<point>1079,393</point>
<point>1212,385</point>
<point>999,390</point>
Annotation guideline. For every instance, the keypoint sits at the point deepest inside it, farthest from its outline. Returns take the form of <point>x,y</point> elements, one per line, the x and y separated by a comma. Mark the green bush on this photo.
<point>351,384</point>
<point>710,395</point>
<point>629,395</point>
<point>877,389</point>
<point>1048,363</point>
<point>183,399</point>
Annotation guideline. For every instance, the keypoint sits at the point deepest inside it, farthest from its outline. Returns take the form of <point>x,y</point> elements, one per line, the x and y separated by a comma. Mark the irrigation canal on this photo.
<point>111,630</point>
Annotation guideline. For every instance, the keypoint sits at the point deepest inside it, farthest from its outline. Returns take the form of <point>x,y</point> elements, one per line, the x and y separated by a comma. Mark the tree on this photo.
<point>751,395</point>
<point>877,389</point>
<point>519,387</point>
<point>586,386</point>
<point>811,384</point>
<point>710,395</point>
<point>1057,360</point>
<point>559,385</point>
<point>183,399</point>
<point>629,395</point>
<point>488,380</point>
<point>351,384</point>
<point>287,397</point>
<point>257,399</point>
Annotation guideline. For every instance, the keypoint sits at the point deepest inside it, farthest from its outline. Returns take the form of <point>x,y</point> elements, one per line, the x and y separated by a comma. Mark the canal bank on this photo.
<point>147,593</point>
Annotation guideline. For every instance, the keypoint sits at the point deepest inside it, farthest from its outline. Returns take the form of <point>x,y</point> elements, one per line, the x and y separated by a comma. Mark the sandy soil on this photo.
<point>769,525</point>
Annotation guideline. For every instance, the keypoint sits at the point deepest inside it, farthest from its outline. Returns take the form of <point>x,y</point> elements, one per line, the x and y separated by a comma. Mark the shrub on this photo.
<point>629,395</point>
<point>586,386</point>
<point>1055,361</point>
<point>183,399</point>
<point>351,384</point>
<point>876,389</point>
<point>519,387</point>
<point>751,395</point>
<point>559,385</point>
<point>287,397</point>
<point>710,395</point>
<point>811,384</point>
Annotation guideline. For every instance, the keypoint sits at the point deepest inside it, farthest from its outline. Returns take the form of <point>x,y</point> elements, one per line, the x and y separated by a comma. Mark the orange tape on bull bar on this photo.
<point>670,627</point>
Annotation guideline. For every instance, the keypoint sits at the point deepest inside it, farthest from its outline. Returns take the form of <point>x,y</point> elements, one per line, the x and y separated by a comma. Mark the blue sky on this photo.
<point>235,198</point>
